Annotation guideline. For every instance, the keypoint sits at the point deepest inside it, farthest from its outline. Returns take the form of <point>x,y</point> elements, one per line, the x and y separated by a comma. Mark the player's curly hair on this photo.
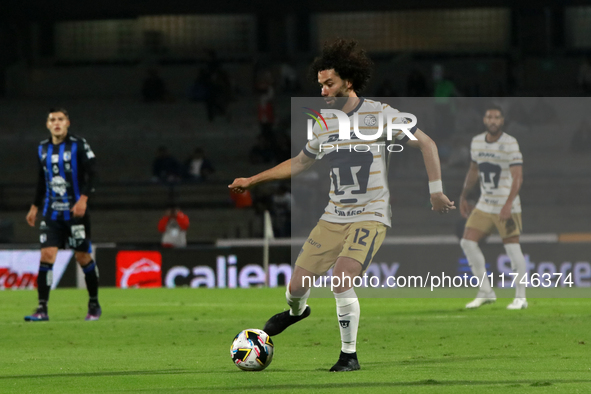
<point>348,60</point>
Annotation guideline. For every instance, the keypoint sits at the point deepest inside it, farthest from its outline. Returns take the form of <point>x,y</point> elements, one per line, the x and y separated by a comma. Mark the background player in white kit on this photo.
<point>497,163</point>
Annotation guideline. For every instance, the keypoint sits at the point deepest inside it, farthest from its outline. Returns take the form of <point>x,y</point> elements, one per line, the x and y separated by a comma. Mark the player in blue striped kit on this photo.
<point>65,181</point>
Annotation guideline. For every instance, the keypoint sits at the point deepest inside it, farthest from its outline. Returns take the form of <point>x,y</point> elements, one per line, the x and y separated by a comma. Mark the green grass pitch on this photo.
<point>178,341</point>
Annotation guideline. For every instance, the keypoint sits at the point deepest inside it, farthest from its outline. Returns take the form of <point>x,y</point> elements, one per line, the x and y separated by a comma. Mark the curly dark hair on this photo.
<point>348,60</point>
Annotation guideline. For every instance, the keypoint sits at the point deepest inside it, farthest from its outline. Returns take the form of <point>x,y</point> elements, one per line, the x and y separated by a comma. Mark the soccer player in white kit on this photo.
<point>354,223</point>
<point>497,164</point>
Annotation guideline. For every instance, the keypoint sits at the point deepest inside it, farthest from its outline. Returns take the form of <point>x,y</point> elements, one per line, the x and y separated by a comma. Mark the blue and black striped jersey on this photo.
<point>66,171</point>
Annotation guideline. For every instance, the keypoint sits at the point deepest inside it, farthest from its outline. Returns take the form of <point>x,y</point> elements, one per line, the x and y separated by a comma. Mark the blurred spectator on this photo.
<point>585,76</point>
<point>214,87</point>
<point>416,84</point>
<point>223,96</point>
<point>165,168</point>
<point>443,87</point>
<point>153,89</point>
<point>219,87</point>
<point>197,167</point>
<point>581,141</point>
<point>262,152</point>
<point>266,108</point>
<point>281,212</point>
<point>173,227</point>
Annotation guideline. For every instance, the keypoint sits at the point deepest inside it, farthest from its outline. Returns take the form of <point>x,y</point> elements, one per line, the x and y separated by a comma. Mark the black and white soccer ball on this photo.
<point>252,350</point>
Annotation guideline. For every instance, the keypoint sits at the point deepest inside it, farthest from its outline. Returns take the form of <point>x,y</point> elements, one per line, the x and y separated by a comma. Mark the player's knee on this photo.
<point>468,245</point>
<point>301,280</point>
<point>48,256</point>
<point>472,234</point>
<point>348,267</point>
<point>83,258</point>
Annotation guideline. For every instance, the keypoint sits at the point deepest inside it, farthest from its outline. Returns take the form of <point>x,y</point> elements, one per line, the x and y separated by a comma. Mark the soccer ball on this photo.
<point>252,350</point>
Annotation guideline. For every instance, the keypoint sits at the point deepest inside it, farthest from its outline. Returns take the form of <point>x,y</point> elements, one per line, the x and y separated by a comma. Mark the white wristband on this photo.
<point>435,187</point>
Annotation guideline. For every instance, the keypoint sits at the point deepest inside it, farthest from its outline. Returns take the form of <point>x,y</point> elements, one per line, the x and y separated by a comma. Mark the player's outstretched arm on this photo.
<point>469,182</point>
<point>428,148</point>
<point>285,170</point>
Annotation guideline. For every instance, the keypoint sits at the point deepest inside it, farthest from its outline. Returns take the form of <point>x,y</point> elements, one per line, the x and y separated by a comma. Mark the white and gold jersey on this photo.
<point>494,160</point>
<point>358,168</point>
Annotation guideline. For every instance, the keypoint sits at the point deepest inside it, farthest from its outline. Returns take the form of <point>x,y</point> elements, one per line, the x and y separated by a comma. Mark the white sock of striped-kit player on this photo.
<point>517,264</point>
<point>348,312</point>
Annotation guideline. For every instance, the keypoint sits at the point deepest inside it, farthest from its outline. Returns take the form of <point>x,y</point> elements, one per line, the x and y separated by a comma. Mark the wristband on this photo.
<point>435,187</point>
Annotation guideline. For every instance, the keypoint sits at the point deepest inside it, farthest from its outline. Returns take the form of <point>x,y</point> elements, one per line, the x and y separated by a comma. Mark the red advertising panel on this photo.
<point>139,269</point>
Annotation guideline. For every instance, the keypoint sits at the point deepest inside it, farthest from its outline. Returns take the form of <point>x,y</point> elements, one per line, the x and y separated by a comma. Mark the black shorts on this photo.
<point>74,233</point>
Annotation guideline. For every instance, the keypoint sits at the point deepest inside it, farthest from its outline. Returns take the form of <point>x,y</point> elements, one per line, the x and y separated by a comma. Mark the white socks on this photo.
<point>517,264</point>
<point>296,305</point>
<point>348,314</point>
<point>476,262</point>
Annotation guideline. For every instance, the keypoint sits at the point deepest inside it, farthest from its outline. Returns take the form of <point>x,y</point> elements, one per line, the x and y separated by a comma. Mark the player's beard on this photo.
<point>494,132</point>
<point>338,101</point>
